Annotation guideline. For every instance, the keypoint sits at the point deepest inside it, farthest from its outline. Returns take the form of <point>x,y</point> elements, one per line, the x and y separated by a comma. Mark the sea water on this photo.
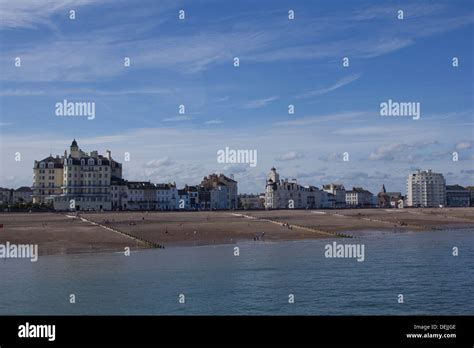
<point>260,281</point>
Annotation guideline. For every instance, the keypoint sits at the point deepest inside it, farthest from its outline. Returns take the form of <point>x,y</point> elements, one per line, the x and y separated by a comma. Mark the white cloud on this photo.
<point>338,117</point>
<point>29,14</point>
<point>178,119</point>
<point>463,145</point>
<point>406,152</point>
<point>159,163</point>
<point>338,84</point>
<point>259,103</point>
<point>289,156</point>
<point>215,121</point>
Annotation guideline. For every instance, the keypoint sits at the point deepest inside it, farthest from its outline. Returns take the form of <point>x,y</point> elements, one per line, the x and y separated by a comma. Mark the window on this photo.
<point>90,162</point>
<point>42,165</point>
<point>99,162</point>
<point>83,162</point>
<point>50,165</point>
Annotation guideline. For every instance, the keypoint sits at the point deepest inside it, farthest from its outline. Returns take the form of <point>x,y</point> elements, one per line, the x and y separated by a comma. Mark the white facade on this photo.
<point>359,197</point>
<point>426,189</point>
<point>141,195</point>
<point>166,196</point>
<point>213,182</point>
<point>282,194</point>
<point>86,182</point>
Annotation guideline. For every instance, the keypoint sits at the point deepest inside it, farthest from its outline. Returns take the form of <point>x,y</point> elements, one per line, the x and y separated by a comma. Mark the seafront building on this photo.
<point>426,189</point>
<point>283,194</point>
<point>166,196</point>
<point>86,180</point>
<point>471,195</point>
<point>48,179</point>
<point>360,198</point>
<point>23,194</point>
<point>223,191</point>
<point>457,196</point>
<point>141,195</point>
<point>390,199</point>
<point>251,201</point>
<point>339,193</point>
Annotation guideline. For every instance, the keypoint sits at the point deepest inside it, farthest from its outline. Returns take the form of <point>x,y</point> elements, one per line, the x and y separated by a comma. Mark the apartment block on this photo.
<point>426,189</point>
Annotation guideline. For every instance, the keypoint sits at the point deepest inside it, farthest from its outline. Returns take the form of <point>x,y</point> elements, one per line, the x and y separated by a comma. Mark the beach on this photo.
<point>63,233</point>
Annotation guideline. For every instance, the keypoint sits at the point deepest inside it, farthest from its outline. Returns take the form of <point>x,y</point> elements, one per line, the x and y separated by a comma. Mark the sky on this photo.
<point>190,62</point>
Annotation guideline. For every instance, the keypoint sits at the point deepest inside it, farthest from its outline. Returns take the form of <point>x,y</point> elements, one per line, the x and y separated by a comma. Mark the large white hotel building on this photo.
<point>426,189</point>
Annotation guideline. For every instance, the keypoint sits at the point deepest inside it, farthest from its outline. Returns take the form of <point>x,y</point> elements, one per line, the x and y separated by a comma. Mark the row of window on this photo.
<point>73,183</point>
<point>43,177</point>
<point>79,191</point>
<point>90,162</point>
<point>89,175</point>
<point>69,168</point>
<point>42,165</point>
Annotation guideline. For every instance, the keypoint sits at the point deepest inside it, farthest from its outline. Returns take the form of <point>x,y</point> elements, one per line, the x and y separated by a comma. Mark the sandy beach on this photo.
<point>57,233</point>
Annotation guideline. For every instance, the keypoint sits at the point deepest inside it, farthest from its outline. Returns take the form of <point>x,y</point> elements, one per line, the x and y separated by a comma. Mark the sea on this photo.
<point>258,278</point>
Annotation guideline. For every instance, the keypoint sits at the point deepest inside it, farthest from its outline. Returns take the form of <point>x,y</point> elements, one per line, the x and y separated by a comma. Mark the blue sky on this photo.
<point>282,62</point>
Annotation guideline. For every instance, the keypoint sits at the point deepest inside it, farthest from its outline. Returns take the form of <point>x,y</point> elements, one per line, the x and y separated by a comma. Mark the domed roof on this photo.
<point>74,143</point>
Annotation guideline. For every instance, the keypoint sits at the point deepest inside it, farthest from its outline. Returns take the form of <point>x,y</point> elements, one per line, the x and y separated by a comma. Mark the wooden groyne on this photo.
<point>302,227</point>
<point>145,242</point>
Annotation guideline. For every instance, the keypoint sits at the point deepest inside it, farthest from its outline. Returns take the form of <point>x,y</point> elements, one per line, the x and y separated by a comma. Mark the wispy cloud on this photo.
<point>178,119</point>
<point>405,152</point>
<point>463,145</point>
<point>338,117</point>
<point>20,93</point>
<point>84,91</point>
<point>338,84</point>
<point>289,156</point>
<point>30,14</point>
<point>215,121</point>
<point>159,163</point>
<point>259,103</point>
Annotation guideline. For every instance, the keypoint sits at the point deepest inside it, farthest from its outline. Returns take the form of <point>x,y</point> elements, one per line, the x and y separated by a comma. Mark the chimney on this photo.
<point>108,154</point>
